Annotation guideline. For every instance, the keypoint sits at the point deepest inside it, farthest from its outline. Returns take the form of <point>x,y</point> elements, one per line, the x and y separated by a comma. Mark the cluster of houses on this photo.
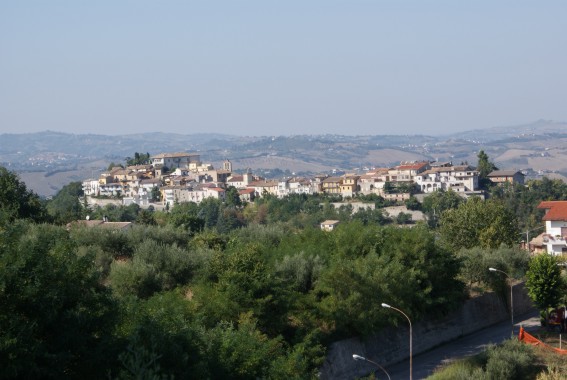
<point>182,177</point>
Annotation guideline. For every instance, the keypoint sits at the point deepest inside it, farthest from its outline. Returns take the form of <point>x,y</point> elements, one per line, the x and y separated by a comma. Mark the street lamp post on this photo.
<point>410,338</point>
<point>358,357</point>
<point>511,295</point>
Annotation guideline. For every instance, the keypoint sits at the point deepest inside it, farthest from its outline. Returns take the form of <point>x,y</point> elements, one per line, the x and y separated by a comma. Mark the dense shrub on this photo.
<point>510,361</point>
<point>154,267</point>
<point>476,261</point>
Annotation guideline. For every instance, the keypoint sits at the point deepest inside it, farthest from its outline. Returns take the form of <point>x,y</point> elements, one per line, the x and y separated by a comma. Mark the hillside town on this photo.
<point>173,178</point>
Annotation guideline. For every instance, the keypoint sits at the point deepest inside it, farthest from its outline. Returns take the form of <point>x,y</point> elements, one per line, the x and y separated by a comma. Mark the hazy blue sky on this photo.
<point>261,67</point>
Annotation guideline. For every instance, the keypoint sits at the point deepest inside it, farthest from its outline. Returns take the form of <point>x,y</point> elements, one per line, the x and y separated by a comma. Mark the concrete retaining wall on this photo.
<point>392,344</point>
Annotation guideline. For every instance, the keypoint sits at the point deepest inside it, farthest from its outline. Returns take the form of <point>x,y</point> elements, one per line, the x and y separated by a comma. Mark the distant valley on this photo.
<point>46,161</point>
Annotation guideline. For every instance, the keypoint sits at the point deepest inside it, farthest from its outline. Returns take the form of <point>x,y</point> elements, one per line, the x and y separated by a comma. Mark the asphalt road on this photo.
<point>424,364</point>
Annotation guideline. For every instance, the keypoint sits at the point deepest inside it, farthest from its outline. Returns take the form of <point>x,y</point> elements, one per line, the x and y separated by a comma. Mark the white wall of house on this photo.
<point>91,187</point>
<point>176,161</point>
<point>556,239</point>
<point>457,180</point>
<point>179,194</point>
<point>288,187</point>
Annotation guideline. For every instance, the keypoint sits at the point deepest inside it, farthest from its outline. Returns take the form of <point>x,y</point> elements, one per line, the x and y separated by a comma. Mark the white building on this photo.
<point>91,187</point>
<point>177,160</point>
<point>555,219</point>
<point>295,186</point>
<point>181,194</point>
<point>461,178</point>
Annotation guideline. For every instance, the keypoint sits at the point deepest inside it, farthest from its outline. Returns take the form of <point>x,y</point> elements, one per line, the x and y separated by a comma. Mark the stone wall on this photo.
<point>392,344</point>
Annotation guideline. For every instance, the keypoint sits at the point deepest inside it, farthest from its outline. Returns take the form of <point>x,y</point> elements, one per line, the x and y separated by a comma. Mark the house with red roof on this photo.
<point>555,219</point>
<point>247,195</point>
<point>406,171</point>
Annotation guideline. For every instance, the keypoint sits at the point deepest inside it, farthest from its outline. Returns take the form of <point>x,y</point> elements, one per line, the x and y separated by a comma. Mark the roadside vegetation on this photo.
<point>227,290</point>
<point>510,360</point>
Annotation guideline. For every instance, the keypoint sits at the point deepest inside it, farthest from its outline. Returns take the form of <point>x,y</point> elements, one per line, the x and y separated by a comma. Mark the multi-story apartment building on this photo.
<point>349,185</point>
<point>176,160</point>
<point>241,181</point>
<point>91,187</point>
<point>294,186</point>
<point>373,181</point>
<point>264,186</point>
<point>182,194</point>
<point>406,172</point>
<point>507,176</point>
<point>332,185</point>
<point>317,183</point>
<point>460,178</point>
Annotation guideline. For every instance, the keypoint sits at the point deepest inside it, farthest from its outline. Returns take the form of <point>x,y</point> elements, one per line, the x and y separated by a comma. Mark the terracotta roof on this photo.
<point>538,240</point>
<point>263,184</point>
<point>504,173</point>
<point>332,179</point>
<point>556,210</point>
<point>136,167</point>
<point>417,165</point>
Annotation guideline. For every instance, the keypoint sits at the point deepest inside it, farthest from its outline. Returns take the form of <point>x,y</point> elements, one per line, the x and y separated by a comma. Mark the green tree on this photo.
<point>232,198</point>
<point>412,203</point>
<point>146,217</point>
<point>138,159</point>
<point>242,351</point>
<point>487,224</point>
<point>367,271</point>
<point>439,201</point>
<point>209,210</point>
<point>229,219</point>
<point>544,282</point>
<point>368,216</point>
<point>484,167</point>
<point>162,331</point>
<point>16,201</point>
<point>66,205</point>
<point>155,194</point>
<point>403,218</point>
<point>186,215</point>
<point>154,267</point>
<point>117,213</point>
<point>475,261</point>
<point>57,319</point>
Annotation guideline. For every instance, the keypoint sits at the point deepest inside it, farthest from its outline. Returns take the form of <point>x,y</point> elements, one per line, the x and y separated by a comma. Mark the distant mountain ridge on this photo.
<point>106,145</point>
<point>53,159</point>
<point>539,127</point>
